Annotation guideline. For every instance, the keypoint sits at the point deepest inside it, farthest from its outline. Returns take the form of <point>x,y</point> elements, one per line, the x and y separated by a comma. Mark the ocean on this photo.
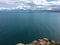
<point>26,26</point>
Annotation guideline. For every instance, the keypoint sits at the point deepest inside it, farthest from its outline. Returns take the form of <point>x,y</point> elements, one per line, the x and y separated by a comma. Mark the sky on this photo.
<point>27,4</point>
<point>50,0</point>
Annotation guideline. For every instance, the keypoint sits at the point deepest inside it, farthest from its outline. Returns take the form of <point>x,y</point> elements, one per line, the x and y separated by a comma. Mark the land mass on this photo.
<point>43,41</point>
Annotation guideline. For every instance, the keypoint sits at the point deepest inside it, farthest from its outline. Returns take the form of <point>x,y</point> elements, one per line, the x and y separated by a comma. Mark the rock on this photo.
<point>20,44</point>
<point>26,44</point>
<point>58,43</point>
<point>43,41</point>
<point>52,42</point>
<point>48,43</point>
<point>35,41</point>
<point>31,44</point>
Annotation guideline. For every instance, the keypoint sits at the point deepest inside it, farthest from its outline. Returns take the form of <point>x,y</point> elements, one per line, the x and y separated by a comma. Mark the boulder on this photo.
<point>43,41</point>
<point>20,44</point>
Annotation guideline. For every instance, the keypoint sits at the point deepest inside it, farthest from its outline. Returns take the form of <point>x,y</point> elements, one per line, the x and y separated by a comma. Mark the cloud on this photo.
<point>53,5</point>
<point>29,4</point>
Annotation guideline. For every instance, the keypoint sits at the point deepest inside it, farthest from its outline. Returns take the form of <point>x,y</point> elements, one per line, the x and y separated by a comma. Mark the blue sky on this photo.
<point>50,0</point>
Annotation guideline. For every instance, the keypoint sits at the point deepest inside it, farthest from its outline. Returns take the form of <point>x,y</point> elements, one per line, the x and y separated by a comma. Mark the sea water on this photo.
<point>26,26</point>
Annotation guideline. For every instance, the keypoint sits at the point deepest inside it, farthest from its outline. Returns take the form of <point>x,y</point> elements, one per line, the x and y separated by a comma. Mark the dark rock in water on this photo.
<point>43,41</point>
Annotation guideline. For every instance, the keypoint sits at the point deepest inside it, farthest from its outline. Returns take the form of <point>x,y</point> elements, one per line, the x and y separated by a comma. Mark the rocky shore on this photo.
<point>43,41</point>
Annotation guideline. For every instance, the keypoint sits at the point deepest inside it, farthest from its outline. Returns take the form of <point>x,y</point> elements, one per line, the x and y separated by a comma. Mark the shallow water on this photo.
<point>17,26</point>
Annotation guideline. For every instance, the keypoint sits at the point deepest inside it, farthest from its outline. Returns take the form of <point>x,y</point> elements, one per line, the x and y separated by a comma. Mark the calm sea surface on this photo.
<point>26,26</point>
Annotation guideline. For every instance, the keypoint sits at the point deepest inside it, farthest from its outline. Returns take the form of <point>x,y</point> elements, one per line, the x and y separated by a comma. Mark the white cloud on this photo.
<point>29,4</point>
<point>53,5</point>
<point>38,2</point>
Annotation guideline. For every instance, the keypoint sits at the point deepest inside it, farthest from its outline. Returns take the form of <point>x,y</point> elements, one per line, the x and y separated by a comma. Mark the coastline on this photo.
<point>43,41</point>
